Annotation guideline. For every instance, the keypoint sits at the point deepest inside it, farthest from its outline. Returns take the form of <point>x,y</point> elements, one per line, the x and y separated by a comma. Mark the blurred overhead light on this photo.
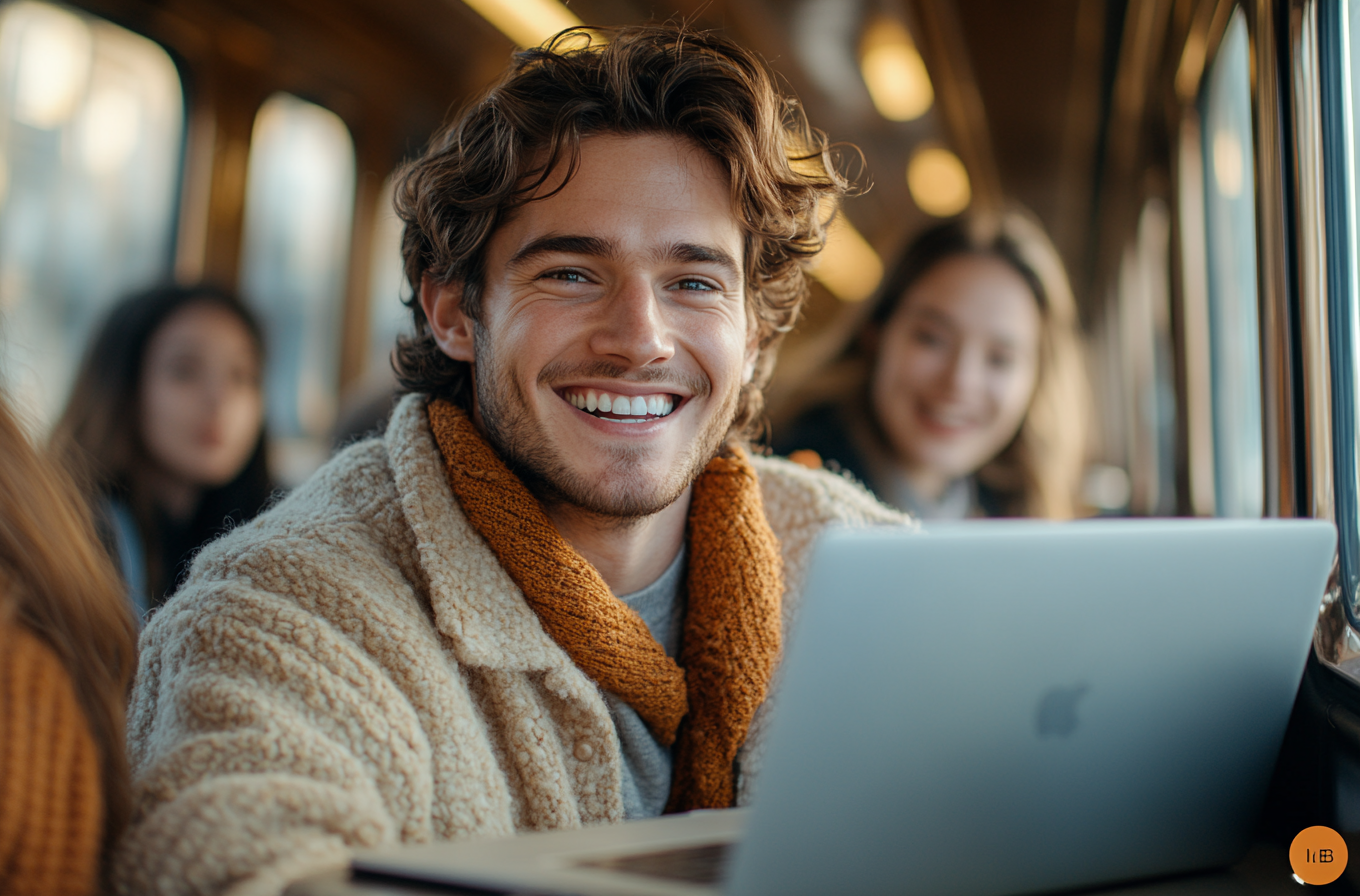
<point>893,71</point>
<point>55,50</point>
<point>848,267</point>
<point>526,22</point>
<point>938,182</point>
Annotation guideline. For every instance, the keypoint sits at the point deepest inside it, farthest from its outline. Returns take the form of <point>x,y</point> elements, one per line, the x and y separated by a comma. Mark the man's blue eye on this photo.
<point>691,283</point>
<point>567,276</point>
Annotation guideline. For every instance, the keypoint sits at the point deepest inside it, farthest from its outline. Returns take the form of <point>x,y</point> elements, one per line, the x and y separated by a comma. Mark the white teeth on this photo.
<point>636,408</point>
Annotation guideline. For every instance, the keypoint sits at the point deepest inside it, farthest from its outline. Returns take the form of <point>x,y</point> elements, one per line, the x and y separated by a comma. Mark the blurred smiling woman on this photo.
<point>962,394</point>
<point>166,425</point>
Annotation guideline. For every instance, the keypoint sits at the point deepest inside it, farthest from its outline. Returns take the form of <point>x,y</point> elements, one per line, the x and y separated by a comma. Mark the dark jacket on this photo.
<point>825,429</point>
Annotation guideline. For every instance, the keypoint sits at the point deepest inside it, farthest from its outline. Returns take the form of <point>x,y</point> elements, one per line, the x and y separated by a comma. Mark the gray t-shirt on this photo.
<point>647,764</point>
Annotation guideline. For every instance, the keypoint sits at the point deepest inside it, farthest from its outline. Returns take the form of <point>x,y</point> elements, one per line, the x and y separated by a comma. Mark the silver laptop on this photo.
<point>991,708</point>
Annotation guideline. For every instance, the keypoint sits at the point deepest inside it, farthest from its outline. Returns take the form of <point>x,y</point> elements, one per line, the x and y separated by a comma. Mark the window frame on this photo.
<point>1337,145</point>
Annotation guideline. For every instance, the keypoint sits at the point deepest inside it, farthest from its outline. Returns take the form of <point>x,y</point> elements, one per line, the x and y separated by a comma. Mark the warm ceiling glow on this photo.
<point>848,267</point>
<point>893,71</point>
<point>938,182</point>
<point>526,22</point>
<point>1191,66</point>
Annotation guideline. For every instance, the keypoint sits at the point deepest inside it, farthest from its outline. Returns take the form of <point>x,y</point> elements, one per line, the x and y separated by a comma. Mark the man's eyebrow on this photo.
<point>692,253</point>
<point>696,254</point>
<point>570,245</point>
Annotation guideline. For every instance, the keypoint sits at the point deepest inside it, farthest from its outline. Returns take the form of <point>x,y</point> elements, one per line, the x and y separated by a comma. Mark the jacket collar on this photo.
<point>476,604</point>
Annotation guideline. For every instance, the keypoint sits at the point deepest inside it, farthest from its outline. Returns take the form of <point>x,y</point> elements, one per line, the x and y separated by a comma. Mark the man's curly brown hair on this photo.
<point>698,86</point>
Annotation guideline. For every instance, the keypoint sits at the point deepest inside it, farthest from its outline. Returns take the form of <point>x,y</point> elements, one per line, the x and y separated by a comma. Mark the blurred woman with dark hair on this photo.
<point>962,393</point>
<point>67,654</point>
<point>166,426</point>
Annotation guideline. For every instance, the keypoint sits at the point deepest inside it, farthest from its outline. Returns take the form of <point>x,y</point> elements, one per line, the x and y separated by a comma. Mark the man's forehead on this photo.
<point>627,179</point>
<point>678,148</point>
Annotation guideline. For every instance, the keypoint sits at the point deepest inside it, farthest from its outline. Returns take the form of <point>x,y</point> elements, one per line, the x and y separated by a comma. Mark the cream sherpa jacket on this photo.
<point>355,668</point>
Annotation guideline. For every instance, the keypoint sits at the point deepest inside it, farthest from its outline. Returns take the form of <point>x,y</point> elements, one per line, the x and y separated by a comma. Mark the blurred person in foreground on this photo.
<point>962,394</point>
<point>165,425</point>
<point>553,592</point>
<point>67,652</point>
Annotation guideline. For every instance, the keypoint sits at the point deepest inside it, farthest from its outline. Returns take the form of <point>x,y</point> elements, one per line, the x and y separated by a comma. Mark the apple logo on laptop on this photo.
<point>1056,714</point>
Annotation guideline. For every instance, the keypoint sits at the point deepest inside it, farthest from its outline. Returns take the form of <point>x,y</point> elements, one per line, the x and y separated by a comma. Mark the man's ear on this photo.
<point>452,328</point>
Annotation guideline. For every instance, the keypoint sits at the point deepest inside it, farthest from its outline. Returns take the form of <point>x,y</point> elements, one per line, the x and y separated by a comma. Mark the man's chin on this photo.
<point>621,495</point>
<point>603,478</point>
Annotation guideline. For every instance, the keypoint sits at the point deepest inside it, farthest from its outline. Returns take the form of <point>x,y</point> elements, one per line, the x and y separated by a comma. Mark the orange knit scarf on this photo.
<point>732,625</point>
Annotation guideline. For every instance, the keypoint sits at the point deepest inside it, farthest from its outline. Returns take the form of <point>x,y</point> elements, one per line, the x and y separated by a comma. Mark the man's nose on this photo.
<point>633,326</point>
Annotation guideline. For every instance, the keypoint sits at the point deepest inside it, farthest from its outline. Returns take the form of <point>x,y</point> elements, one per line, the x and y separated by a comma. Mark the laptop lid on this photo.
<point>1015,707</point>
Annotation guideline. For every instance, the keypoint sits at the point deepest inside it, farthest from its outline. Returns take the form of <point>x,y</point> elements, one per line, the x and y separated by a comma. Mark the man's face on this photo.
<point>613,339</point>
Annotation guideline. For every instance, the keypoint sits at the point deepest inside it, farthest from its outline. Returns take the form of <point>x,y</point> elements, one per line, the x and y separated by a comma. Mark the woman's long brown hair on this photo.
<point>57,582</point>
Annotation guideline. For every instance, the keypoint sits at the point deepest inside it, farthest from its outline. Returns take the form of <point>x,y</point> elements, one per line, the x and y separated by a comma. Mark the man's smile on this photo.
<point>621,408</point>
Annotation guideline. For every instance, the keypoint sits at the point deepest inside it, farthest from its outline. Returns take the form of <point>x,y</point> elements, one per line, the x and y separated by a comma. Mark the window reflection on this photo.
<point>299,205</point>
<point>1230,218</point>
<point>1144,325</point>
<point>91,136</point>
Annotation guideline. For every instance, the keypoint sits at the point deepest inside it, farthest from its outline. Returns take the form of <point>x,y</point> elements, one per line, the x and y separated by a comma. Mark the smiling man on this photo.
<point>553,593</point>
<point>610,343</point>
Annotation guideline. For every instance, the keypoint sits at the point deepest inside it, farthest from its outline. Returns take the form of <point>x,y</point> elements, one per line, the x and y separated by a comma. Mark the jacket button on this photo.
<point>584,751</point>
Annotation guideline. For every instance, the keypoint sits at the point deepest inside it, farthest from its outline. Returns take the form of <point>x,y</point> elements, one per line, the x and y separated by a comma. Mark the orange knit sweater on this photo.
<point>51,803</point>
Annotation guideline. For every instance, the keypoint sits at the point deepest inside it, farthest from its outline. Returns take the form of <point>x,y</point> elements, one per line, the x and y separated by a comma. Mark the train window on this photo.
<point>388,317</point>
<point>1230,222</point>
<point>299,209</point>
<point>91,139</point>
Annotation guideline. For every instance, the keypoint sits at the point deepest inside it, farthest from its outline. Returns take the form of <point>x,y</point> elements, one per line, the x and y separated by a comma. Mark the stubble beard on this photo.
<point>624,494</point>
